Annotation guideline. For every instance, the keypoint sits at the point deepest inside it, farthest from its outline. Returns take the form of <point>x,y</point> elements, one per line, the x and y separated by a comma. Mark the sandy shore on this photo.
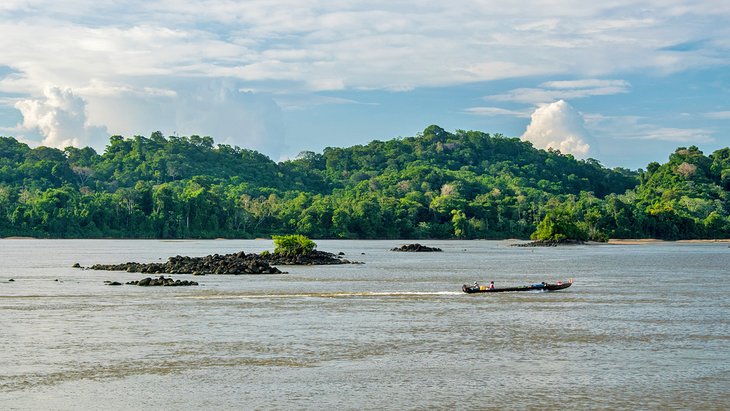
<point>719,240</point>
<point>654,240</point>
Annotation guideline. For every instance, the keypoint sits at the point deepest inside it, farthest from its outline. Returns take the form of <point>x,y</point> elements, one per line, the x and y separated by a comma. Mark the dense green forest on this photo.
<point>465,184</point>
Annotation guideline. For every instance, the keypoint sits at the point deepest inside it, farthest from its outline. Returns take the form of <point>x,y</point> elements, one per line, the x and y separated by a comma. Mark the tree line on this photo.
<point>437,184</point>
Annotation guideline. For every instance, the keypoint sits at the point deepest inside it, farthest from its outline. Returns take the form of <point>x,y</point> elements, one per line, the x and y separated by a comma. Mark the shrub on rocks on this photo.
<point>295,244</point>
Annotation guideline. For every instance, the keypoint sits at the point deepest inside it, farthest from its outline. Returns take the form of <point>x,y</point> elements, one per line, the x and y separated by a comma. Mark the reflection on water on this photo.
<point>643,327</point>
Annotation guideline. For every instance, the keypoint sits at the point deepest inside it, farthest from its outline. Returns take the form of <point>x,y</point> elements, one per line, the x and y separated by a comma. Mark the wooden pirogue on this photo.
<point>476,288</point>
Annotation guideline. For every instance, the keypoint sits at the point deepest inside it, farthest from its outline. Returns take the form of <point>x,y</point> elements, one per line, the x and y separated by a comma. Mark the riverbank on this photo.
<point>640,241</point>
<point>623,241</point>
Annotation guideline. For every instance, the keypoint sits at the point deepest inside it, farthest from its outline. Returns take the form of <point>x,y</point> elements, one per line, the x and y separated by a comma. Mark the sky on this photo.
<point>624,82</point>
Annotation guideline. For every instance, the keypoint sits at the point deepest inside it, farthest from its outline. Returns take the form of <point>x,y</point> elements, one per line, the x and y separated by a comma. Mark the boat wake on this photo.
<point>365,294</point>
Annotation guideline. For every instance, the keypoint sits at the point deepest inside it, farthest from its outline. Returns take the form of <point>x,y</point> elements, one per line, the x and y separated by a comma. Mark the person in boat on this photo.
<point>491,285</point>
<point>476,284</point>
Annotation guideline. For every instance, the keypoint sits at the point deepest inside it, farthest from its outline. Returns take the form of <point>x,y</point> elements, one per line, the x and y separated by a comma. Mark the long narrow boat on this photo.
<point>471,289</point>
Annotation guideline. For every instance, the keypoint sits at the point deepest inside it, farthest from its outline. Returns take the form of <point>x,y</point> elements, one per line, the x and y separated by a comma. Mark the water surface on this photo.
<point>643,327</point>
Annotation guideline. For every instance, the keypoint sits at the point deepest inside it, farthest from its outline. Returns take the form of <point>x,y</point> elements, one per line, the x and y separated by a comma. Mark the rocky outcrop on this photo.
<point>237,263</point>
<point>415,248</point>
<point>162,282</point>
<point>311,258</point>
<point>548,243</point>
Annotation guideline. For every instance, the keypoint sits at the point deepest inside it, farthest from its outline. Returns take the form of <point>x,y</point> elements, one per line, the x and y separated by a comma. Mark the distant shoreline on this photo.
<point>640,241</point>
<point>616,241</point>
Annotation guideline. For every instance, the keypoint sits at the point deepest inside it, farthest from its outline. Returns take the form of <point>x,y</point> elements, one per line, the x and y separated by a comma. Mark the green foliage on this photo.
<point>559,224</point>
<point>293,244</point>
<point>438,184</point>
<point>550,229</point>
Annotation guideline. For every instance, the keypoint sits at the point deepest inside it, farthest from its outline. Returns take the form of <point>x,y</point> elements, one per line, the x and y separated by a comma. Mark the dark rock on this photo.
<point>312,258</point>
<point>115,283</point>
<point>415,248</point>
<point>11,280</point>
<point>162,281</point>
<point>548,243</point>
<point>237,263</point>
<point>76,265</point>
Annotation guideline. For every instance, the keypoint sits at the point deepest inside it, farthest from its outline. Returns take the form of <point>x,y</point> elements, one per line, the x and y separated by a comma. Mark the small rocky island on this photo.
<point>290,250</point>
<point>549,243</point>
<point>313,257</point>
<point>162,282</point>
<point>415,248</point>
<point>237,263</point>
<point>157,282</point>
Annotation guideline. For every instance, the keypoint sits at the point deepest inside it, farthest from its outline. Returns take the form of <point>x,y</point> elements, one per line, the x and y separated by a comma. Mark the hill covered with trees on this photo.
<point>465,184</point>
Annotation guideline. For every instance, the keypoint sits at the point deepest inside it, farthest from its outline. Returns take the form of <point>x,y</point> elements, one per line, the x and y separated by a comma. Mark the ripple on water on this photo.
<point>393,333</point>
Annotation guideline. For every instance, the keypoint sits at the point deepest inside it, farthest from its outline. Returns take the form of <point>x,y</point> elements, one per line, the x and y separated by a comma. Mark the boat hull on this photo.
<point>471,289</point>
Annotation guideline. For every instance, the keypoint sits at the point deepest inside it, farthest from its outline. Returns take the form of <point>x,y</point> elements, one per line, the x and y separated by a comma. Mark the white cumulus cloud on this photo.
<point>60,118</point>
<point>559,126</point>
<point>207,107</point>
<point>220,110</point>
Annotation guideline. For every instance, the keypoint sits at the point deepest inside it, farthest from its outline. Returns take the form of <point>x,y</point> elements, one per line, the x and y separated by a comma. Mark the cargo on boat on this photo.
<point>477,288</point>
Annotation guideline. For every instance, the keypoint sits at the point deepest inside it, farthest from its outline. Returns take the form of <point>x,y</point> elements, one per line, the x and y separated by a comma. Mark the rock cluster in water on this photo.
<point>417,248</point>
<point>548,243</point>
<point>236,263</point>
<point>162,282</point>
<point>311,258</point>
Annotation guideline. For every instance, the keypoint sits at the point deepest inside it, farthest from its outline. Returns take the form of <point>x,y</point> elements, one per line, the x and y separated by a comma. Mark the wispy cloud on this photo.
<point>496,111</point>
<point>304,101</point>
<point>134,54</point>
<point>325,45</point>
<point>564,90</point>
<point>718,115</point>
<point>677,135</point>
<point>638,128</point>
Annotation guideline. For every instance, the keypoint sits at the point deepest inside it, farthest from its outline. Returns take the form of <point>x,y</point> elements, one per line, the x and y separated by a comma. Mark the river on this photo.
<point>643,327</point>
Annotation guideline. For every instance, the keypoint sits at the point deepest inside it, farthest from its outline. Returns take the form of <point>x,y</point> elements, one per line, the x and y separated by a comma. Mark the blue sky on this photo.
<point>625,83</point>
